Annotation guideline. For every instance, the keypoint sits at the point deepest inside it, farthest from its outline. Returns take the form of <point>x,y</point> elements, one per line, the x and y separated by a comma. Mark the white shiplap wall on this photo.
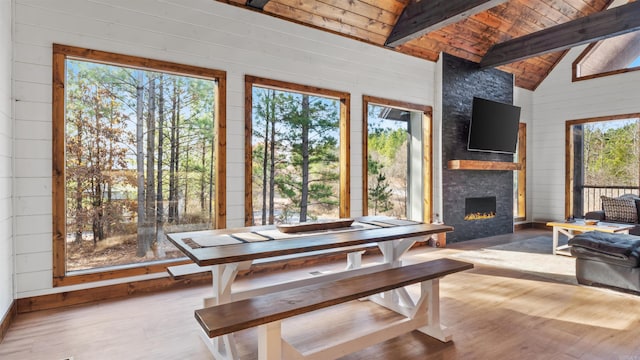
<point>6,172</point>
<point>557,100</point>
<point>196,32</point>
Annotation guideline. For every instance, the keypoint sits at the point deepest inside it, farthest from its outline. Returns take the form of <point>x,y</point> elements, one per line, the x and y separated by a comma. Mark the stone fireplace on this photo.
<point>477,203</point>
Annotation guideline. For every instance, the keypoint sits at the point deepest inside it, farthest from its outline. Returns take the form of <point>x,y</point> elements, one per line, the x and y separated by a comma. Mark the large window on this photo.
<point>397,159</point>
<point>297,153</point>
<point>603,159</point>
<point>137,154</point>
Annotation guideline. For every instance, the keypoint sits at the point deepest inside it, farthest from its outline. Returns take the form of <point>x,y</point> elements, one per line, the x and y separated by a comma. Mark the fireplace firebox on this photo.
<point>480,208</point>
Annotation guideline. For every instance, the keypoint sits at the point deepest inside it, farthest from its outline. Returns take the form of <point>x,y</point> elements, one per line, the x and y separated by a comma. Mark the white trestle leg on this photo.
<point>431,290</point>
<point>270,341</point>
<point>222,347</point>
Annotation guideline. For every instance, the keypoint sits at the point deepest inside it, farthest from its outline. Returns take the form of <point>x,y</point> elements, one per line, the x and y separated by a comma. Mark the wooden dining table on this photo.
<point>225,252</point>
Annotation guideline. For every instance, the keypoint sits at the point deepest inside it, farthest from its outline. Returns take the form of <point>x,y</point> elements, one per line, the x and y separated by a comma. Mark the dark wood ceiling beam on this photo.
<point>421,17</point>
<point>257,4</point>
<point>617,21</point>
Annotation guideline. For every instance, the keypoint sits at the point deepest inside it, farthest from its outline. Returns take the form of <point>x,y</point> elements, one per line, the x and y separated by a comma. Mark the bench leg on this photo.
<point>270,341</point>
<point>430,292</point>
<point>354,260</point>
<point>222,347</point>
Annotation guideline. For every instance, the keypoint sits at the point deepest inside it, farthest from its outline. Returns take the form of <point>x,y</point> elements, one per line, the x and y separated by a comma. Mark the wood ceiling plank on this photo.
<point>581,7</point>
<point>362,8</point>
<point>525,83</point>
<point>393,6</point>
<point>438,38</point>
<point>538,65</point>
<point>561,11</point>
<point>465,38</point>
<point>616,21</point>
<point>326,12</point>
<point>418,51</point>
<point>422,17</point>
<point>537,14</point>
<point>491,20</point>
<point>303,17</point>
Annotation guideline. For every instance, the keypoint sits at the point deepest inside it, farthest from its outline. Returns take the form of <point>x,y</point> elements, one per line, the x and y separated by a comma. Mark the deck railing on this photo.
<point>591,194</point>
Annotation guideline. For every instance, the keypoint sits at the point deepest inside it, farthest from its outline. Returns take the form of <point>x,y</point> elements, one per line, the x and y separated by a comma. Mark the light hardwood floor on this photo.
<point>493,314</point>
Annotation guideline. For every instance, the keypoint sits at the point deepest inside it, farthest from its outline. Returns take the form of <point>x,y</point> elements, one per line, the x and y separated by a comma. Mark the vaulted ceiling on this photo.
<point>469,33</point>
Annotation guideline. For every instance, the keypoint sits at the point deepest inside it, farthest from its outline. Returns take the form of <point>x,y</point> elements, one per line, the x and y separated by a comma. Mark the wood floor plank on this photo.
<point>493,313</point>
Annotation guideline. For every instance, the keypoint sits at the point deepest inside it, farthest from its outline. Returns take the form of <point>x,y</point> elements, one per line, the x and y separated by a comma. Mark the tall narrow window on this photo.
<point>603,155</point>
<point>520,176</point>
<point>136,153</point>
<point>397,141</point>
<point>298,153</point>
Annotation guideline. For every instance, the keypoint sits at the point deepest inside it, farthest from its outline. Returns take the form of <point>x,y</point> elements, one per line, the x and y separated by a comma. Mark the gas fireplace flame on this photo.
<point>480,216</point>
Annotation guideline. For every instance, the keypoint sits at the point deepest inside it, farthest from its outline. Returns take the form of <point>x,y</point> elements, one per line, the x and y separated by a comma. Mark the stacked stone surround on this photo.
<point>462,80</point>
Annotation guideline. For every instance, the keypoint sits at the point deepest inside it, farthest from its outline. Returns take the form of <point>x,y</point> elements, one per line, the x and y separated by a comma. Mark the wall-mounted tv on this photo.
<point>494,126</point>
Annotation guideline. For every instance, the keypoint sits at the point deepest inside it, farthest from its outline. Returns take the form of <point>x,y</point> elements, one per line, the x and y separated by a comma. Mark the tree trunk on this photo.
<point>97,204</point>
<point>213,154</point>
<point>272,166</point>
<point>186,180</point>
<point>143,239</point>
<point>173,157</point>
<point>159,197</point>
<point>304,192</point>
<point>151,150</point>
<point>265,162</point>
<point>203,173</point>
<point>109,180</point>
<point>79,217</point>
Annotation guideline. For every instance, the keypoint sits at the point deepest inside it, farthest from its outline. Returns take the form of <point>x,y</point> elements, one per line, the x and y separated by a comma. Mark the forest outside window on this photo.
<point>397,144</point>
<point>603,159</point>
<point>137,154</point>
<point>297,170</point>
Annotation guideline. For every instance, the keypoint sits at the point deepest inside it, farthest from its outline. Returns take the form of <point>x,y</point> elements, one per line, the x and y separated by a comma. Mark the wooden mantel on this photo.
<point>482,165</point>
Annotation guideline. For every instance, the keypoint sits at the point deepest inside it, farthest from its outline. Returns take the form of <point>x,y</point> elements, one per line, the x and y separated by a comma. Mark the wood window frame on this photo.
<point>427,150</point>
<point>60,54</point>
<point>568,155</point>
<point>522,173</point>
<point>345,137</point>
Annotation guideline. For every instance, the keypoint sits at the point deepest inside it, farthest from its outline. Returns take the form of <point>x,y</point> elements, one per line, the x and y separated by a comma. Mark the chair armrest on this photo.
<point>595,215</point>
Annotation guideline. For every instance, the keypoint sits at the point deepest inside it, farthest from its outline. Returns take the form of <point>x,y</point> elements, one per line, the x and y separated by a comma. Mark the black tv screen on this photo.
<point>494,126</point>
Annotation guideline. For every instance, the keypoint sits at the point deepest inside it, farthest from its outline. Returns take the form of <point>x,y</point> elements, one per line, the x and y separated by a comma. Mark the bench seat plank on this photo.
<point>235,316</point>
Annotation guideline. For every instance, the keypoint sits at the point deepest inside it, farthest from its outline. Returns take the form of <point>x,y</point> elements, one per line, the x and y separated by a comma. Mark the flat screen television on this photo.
<point>494,126</point>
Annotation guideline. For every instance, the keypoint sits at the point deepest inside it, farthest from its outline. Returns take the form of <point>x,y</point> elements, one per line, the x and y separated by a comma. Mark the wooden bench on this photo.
<point>267,311</point>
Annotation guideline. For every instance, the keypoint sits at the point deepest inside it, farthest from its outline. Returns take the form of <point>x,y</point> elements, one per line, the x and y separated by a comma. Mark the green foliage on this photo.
<point>387,142</point>
<point>380,192</point>
<point>306,146</point>
<point>611,153</point>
